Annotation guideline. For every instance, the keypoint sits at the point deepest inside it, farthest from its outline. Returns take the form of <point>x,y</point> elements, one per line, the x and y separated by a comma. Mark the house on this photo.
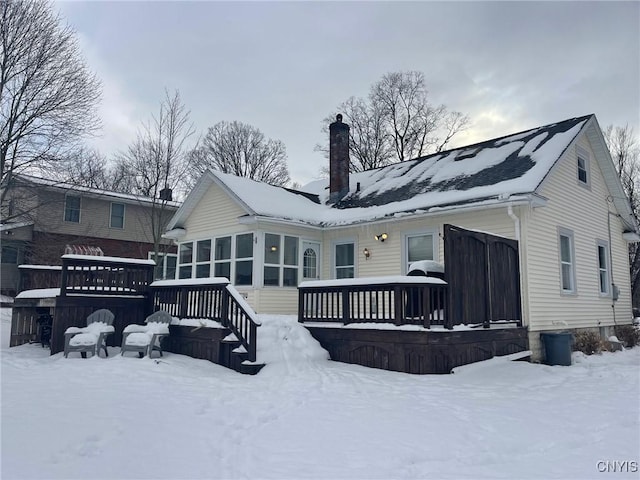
<point>48,219</point>
<point>552,189</point>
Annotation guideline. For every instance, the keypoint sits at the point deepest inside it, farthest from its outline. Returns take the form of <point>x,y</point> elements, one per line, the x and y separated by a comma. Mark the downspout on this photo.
<point>516,221</point>
<point>517,227</point>
<point>613,285</point>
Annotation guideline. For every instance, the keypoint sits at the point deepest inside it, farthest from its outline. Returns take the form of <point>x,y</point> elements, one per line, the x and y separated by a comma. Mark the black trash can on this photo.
<point>424,268</point>
<point>557,347</point>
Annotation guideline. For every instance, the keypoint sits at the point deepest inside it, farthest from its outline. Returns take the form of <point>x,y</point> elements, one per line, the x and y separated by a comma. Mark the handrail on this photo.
<point>402,301</point>
<point>213,299</point>
<point>105,276</point>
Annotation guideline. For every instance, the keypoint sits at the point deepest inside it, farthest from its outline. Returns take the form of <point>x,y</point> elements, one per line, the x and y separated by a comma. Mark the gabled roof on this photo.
<point>501,170</point>
<point>94,192</point>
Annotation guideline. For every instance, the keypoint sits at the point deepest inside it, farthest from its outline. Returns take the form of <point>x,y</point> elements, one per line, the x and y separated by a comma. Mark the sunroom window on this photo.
<point>185,259</point>
<point>222,264</point>
<point>244,259</point>
<point>203,259</point>
<point>280,260</point>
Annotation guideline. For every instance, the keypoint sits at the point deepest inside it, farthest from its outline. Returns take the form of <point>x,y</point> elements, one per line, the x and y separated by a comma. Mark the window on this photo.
<point>603,268</point>
<point>232,258</point>
<point>9,254</point>
<point>345,260</point>
<point>185,257</point>
<point>165,265</point>
<point>117,215</point>
<point>203,259</point>
<point>222,263</point>
<point>419,247</point>
<point>567,262</point>
<point>244,259</point>
<point>583,166</point>
<point>280,260</point>
<point>72,209</point>
<point>310,263</point>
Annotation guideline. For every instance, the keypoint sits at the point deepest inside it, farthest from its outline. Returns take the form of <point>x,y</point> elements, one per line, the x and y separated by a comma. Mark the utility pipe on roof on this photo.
<point>516,221</point>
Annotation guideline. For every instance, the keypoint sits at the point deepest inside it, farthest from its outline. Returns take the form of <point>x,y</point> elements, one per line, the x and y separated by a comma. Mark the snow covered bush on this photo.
<point>588,342</point>
<point>628,334</point>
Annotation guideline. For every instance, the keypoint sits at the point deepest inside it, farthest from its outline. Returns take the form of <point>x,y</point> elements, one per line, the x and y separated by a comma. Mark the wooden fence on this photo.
<point>483,275</point>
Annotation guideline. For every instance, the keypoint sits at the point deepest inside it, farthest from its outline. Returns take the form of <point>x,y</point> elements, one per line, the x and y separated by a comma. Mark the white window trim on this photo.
<point>179,264</point>
<point>415,233</point>
<point>301,258</point>
<point>164,257</point>
<point>583,154</point>
<point>209,262</point>
<point>64,210</point>
<point>235,259</point>
<point>343,241</point>
<point>281,265</point>
<point>124,215</point>
<point>604,244</point>
<point>564,232</point>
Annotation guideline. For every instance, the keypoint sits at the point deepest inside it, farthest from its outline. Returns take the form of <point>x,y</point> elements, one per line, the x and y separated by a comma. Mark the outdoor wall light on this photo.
<point>382,237</point>
<point>274,248</point>
<point>366,253</point>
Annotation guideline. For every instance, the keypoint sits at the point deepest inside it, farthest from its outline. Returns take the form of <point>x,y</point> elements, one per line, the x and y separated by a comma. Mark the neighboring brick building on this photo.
<point>47,219</point>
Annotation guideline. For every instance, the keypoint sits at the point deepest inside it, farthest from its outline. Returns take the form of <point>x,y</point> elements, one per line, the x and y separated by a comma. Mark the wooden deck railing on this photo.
<point>105,275</point>
<point>213,300</point>
<point>399,300</point>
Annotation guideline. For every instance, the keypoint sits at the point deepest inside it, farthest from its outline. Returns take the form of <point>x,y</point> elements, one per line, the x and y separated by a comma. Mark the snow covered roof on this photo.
<point>504,169</point>
<point>125,197</point>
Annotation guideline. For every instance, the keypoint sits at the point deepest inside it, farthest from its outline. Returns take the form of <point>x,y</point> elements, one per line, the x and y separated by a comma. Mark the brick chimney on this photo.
<point>166,194</point>
<point>338,159</point>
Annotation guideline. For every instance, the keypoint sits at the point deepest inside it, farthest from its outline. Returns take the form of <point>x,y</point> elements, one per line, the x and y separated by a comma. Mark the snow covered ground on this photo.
<point>305,417</point>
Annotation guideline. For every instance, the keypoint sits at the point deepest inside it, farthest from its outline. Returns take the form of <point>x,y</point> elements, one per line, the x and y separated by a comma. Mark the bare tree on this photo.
<point>242,150</point>
<point>155,163</point>
<point>48,97</point>
<point>87,168</point>
<point>396,122</point>
<point>625,153</point>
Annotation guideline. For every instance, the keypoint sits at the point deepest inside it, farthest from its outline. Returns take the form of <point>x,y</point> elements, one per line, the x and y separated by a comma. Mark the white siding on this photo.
<point>584,211</point>
<point>388,258</point>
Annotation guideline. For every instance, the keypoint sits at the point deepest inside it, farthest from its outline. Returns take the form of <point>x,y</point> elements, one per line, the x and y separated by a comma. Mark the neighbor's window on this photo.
<point>280,260</point>
<point>9,254</point>
<point>583,166</point>
<point>117,215</point>
<point>244,259</point>
<point>567,262</point>
<point>72,209</point>
<point>203,259</point>
<point>603,268</point>
<point>419,247</point>
<point>345,260</point>
<point>185,259</point>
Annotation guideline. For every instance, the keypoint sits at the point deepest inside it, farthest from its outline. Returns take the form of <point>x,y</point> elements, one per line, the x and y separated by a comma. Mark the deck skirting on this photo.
<point>422,352</point>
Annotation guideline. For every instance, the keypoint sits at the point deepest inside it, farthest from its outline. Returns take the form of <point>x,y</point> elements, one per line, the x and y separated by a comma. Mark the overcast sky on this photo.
<point>283,67</point>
